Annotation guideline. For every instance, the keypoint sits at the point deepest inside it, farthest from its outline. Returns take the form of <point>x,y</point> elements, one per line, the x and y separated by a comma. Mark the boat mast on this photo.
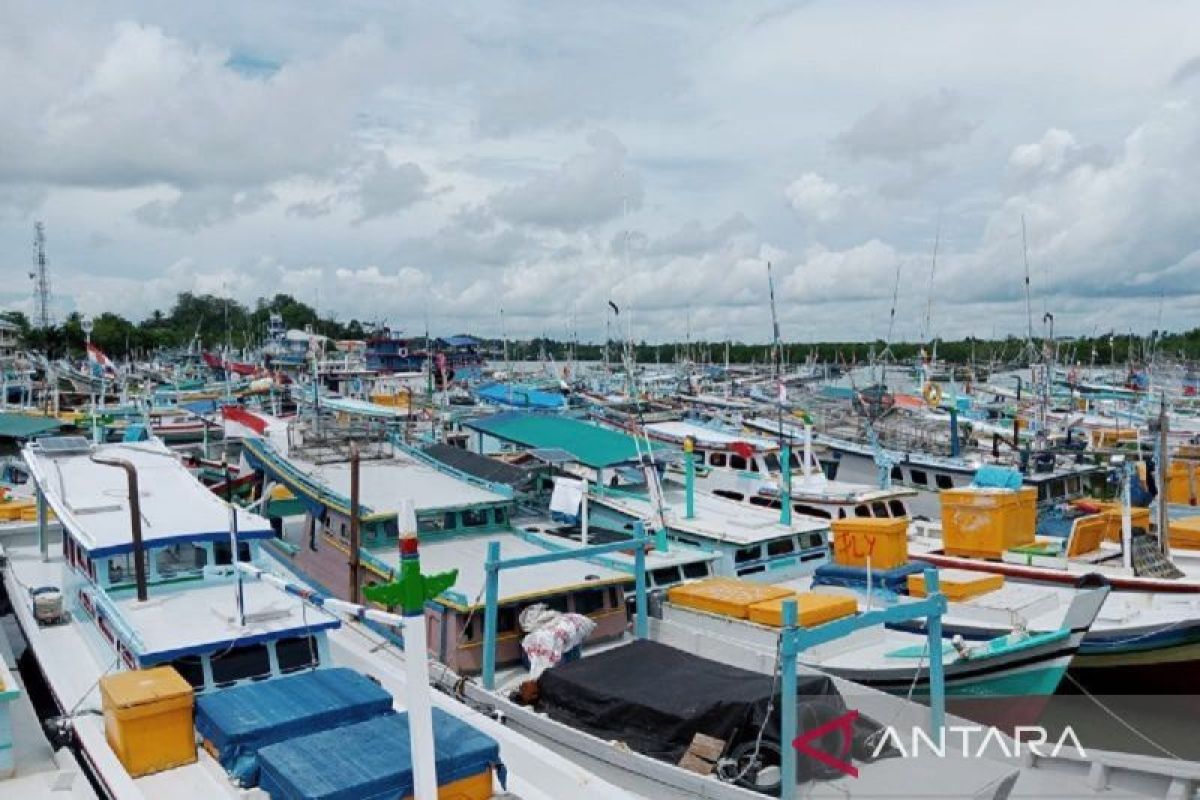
<point>1028,300</point>
<point>785,460</point>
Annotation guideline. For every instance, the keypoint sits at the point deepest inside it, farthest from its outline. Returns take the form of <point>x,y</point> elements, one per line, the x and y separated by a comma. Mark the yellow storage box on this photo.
<point>884,541</point>
<point>729,597</point>
<point>148,719</point>
<point>984,523</point>
<point>812,609</point>
<point>957,584</point>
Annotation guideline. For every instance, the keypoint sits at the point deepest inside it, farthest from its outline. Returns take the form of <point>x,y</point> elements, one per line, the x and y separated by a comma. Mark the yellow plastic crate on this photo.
<point>984,523</point>
<point>148,719</point>
<point>729,597</point>
<point>884,541</point>
<point>474,787</point>
<point>957,584</point>
<point>1185,533</point>
<point>812,609</point>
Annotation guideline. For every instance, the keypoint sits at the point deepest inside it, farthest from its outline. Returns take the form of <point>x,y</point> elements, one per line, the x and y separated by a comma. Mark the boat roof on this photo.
<point>678,430</point>
<point>24,426</point>
<point>91,500</point>
<point>467,554</point>
<point>716,518</point>
<point>202,618</point>
<point>384,482</point>
<point>479,466</point>
<point>591,445</point>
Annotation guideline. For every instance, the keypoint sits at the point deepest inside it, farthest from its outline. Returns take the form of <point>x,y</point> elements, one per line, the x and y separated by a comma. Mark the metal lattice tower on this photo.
<point>41,276</point>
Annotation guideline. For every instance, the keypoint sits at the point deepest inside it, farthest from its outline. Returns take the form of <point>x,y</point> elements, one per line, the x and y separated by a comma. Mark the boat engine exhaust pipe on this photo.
<point>135,520</point>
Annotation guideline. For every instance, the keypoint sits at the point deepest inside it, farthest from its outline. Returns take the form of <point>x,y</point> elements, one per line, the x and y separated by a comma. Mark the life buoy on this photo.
<point>932,394</point>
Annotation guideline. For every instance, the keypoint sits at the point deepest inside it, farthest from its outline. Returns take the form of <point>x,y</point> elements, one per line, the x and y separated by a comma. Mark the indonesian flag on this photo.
<point>98,360</point>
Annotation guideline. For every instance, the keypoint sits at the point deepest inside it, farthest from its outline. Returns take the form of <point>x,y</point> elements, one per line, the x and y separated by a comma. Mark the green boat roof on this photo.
<point>589,444</point>
<point>24,426</point>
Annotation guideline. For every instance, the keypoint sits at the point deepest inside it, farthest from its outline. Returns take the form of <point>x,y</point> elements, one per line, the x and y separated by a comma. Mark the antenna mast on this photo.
<point>41,276</point>
<point>1028,302</point>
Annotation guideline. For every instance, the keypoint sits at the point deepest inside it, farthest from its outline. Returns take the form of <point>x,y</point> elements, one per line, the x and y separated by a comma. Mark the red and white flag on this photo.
<point>98,360</point>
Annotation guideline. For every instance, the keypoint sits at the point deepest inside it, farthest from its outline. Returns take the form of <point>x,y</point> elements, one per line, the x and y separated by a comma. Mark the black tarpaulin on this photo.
<point>655,699</point>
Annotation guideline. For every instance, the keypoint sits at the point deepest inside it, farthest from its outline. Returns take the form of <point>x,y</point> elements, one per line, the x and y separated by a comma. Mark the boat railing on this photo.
<point>494,565</point>
<point>793,640</point>
<point>105,607</point>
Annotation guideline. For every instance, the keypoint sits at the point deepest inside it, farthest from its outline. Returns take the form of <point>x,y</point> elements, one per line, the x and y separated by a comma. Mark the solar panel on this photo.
<point>64,445</point>
<point>552,455</point>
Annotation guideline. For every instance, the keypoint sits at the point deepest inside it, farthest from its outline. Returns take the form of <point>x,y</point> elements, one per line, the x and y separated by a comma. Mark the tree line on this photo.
<point>214,322</point>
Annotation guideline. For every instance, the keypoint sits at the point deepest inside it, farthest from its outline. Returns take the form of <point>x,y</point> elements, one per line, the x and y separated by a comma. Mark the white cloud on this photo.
<point>817,199</point>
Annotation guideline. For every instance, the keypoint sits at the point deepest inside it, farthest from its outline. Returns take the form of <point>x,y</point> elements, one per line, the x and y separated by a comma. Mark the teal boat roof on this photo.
<point>589,444</point>
<point>24,426</point>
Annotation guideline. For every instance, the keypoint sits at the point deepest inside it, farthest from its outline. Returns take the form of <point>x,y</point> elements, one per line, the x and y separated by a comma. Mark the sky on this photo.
<point>433,163</point>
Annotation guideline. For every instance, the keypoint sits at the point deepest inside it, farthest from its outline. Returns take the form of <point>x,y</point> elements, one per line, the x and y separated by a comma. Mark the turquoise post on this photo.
<point>689,466</point>
<point>660,540</point>
<point>785,500</point>
<point>640,624</point>
<point>937,677</point>
<point>787,701</point>
<point>492,591</point>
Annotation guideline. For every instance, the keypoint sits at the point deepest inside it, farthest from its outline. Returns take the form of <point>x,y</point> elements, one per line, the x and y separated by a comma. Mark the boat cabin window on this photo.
<point>879,509</point>
<point>794,460</point>
<point>221,553</point>
<point>816,540</point>
<point>898,508</point>
<point>474,517</point>
<point>716,459</point>
<point>764,502</point>
<point>431,523</point>
<point>665,576</point>
<point>191,669</point>
<point>811,511</point>
<point>179,558</point>
<point>862,511</point>
<point>744,554</point>
<point>696,569</point>
<point>296,653</point>
<point>944,481</point>
<point>120,568</point>
<point>918,477</point>
<point>1074,485</point>
<point>753,465</point>
<point>781,547</point>
<point>897,473</point>
<point>240,663</point>
<point>590,601</point>
<point>772,462</point>
<point>729,495</point>
<point>1043,490</point>
<point>841,513</point>
<point>698,456</point>
<point>737,462</point>
<point>501,516</point>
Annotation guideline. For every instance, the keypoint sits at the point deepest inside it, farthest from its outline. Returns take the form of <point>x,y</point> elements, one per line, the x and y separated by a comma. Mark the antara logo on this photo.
<point>969,741</point>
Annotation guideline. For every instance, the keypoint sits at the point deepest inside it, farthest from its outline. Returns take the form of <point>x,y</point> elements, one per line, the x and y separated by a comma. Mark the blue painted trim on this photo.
<point>160,656</point>
<point>183,538</point>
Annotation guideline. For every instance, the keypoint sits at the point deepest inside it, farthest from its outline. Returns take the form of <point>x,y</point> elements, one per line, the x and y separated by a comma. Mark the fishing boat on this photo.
<point>155,608</point>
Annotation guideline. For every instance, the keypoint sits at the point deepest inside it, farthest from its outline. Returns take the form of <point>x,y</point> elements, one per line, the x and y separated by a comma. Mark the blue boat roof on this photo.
<point>462,340</point>
<point>518,396</point>
<point>371,760</point>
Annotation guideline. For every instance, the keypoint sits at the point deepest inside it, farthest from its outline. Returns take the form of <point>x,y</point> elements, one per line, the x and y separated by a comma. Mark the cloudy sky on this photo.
<point>397,161</point>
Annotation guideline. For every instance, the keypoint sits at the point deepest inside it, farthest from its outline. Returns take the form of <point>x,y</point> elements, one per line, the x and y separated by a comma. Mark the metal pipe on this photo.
<point>354,532</point>
<point>1164,472</point>
<point>135,519</point>
<point>43,536</point>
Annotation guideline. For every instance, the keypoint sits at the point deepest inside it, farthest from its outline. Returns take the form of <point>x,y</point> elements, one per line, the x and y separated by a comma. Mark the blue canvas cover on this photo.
<point>239,721</point>
<point>371,760</point>
<point>990,476</point>
<point>894,580</point>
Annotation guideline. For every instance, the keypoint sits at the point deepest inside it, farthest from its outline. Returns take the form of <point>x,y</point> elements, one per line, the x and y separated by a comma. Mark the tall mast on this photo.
<point>937,237</point>
<point>1028,302</point>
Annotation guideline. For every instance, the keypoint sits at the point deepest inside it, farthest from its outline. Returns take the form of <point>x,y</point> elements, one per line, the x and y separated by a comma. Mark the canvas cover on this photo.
<point>655,699</point>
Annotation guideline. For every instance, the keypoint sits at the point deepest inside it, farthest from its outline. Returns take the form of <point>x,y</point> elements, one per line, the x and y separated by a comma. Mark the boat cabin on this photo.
<point>186,613</point>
